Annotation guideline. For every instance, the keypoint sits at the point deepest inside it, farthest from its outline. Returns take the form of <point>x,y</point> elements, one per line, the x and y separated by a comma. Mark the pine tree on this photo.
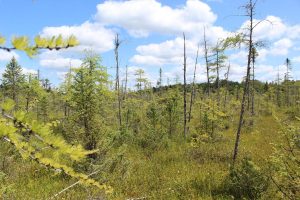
<point>90,83</point>
<point>13,80</point>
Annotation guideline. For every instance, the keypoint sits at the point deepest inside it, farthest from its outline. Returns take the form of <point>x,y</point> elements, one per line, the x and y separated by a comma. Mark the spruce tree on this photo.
<point>90,83</point>
<point>13,80</point>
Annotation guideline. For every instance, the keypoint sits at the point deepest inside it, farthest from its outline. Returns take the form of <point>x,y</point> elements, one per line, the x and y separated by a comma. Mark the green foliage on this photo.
<point>90,86</point>
<point>285,162</point>
<point>38,142</point>
<point>13,79</point>
<point>4,187</point>
<point>2,40</point>
<point>212,122</point>
<point>8,105</point>
<point>172,111</point>
<point>23,43</point>
<point>140,79</point>
<point>246,181</point>
<point>234,41</point>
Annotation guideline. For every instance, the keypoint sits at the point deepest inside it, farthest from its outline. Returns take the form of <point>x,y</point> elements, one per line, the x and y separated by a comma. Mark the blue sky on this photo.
<point>151,32</point>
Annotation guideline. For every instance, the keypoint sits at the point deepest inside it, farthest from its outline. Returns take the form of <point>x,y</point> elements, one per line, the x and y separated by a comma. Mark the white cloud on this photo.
<point>58,60</point>
<point>293,32</point>
<point>140,18</point>
<point>61,75</point>
<point>281,47</point>
<point>60,63</point>
<point>90,35</point>
<point>27,71</point>
<point>270,28</point>
<point>168,52</point>
<point>6,56</point>
<point>296,59</point>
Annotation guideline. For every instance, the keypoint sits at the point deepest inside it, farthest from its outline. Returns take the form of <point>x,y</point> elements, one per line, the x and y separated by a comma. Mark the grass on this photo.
<point>178,171</point>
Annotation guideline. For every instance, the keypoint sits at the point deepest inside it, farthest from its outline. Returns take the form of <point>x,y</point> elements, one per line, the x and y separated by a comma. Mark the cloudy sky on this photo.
<point>151,34</point>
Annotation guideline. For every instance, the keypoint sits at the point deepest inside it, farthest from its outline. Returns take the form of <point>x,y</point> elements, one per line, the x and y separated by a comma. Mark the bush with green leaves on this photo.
<point>4,187</point>
<point>246,181</point>
<point>286,162</point>
<point>36,141</point>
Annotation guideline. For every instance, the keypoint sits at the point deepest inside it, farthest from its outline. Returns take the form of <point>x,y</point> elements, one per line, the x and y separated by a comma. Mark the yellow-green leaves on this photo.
<point>20,43</point>
<point>8,105</point>
<point>72,41</point>
<point>36,141</point>
<point>59,41</point>
<point>41,42</point>
<point>2,40</point>
<point>23,43</point>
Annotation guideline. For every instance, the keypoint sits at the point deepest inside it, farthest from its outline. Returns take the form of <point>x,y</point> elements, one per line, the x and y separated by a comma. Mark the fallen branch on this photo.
<point>70,186</point>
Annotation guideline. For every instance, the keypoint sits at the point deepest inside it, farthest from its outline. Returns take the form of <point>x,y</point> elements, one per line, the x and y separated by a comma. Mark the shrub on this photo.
<point>246,181</point>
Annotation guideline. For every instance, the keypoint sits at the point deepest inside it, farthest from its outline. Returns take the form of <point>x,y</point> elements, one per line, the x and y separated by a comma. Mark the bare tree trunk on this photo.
<point>126,80</point>
<point>253,78</point>
<point>288,102</point>
<point>193,88</point>
<point>184,87</point>
<point>117,44</point>
<point>218,79</point>
<point>250,8</point>
<point>207,63</point>
<point>226,90</point>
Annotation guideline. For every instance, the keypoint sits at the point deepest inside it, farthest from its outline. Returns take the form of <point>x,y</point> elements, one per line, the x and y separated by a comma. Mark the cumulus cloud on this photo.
<point>281,47</point>
<point>168,52</point>
<point>60,63</point>
<point>90,35</point>
<point>57,60</point>
<point>140,18</point>
<point>27,71</point>
<point>6,56</point>
<point>296,59</point>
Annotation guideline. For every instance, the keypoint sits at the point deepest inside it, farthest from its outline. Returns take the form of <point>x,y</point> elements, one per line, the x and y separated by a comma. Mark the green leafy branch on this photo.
<point>23,43</point>
<point>38,142</point>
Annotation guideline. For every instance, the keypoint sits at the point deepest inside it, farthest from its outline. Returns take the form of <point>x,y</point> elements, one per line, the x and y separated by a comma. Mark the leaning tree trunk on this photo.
<point>246,85</point>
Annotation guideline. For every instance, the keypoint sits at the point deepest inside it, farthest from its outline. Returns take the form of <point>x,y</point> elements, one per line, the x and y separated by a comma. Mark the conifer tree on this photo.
<point>140,79</point>
<point>218,64</point>
<point>90,82</point>
<point>13,80</point>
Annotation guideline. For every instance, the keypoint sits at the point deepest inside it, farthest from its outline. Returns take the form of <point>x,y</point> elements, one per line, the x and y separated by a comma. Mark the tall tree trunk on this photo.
<point>218,79</point>
<point>184,88</point>
<point>206,62</point>
<point>278,89</point>
<point>126,80</point>
<point>253,89</point>
<point>117,44</point>
<point>227,88</point>
<point>246,84</point>
<point>193,88</point>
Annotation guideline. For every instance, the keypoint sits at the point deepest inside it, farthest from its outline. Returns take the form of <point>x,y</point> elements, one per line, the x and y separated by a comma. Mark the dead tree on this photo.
<point>193,87</point>
<point>250,8</point>
<point>117,44</point>
<point>227,88</point>
<point>184,88</point>
<point>206,62</point>
<point>126,80</point>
